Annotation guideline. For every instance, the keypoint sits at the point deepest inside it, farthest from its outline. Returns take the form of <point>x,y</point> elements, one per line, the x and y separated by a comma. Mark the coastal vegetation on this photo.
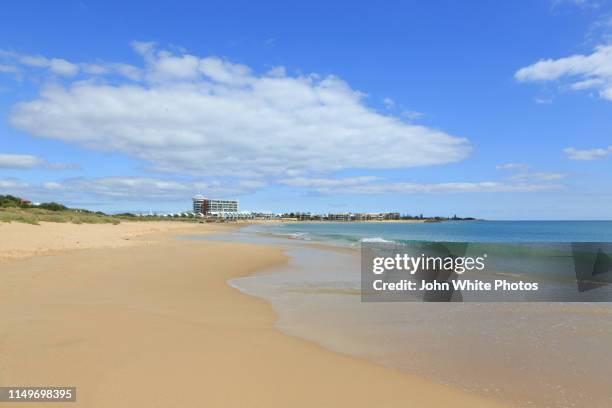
<point>19,210</point>
<point>16,209</point>
<point>36,215</point>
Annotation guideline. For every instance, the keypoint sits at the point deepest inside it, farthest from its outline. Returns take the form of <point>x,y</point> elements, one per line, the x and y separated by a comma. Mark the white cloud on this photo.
<point>8,69</point>
<point>124,189</point>
<point>587,84</point>
<point>12,61</point>
<point>63,67</point>
<point>227,72</point>
<point>212,117</point>
<point>56,65</point>
<point>19,161</point>
<point>126,70</point>
<point>521,181</point>
<point>389,103</point>
<point>365,185</point>
<point>28,161</point>
<point>327,182</point>
<point>30,60</point>
<point>144,188</point>
<point>51,185</point>
<point>522,172</point>
<point>543,176</point>
<point>600,30</point>
<point>277,72</point>
<point>412,115</point>
<point>461,187</point>
<point>587,154</point>
<point>543,100</point>
<point>8,186</point>
<point>171,67</point>
<point>512,166</point>
<point>538,176</point>
<point>593,71</point>
<point>61,166</point>
<point>95,69</point>
<point>403,112</point>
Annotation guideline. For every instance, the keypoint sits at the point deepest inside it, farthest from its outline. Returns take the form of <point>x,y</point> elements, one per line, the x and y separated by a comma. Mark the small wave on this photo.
<point>375,239</point>
<point>294,235</point>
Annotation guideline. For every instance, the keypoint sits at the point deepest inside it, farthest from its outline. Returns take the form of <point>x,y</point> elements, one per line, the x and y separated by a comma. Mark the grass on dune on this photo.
<point>9,216</point>
<point>13,208</point>
<point>36,215</point>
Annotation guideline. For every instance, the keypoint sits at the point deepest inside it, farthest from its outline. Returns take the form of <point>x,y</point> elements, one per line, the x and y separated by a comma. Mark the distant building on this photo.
<point>340,217</point>
<point>349,216</point>
<point>205,206</point>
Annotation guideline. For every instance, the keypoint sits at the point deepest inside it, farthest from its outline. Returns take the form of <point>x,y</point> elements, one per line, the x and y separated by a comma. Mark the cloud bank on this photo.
<point>209,116</point>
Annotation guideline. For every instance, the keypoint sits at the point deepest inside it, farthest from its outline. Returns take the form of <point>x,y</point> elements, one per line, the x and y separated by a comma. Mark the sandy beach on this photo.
<point>19,240</point>
<point>135,318</point>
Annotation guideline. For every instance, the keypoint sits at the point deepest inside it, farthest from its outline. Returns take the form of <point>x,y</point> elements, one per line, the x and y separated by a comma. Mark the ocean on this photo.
<point>450,231</point>
<point>526,354</point>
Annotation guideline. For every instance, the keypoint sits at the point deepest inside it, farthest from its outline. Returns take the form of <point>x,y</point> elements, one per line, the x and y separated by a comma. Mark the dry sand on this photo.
<point>19,240</point>
<point>153,323</point>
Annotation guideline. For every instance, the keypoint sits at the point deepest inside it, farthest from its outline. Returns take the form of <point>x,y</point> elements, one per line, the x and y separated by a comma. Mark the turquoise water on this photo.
<point>451,231</point>
<point>535,354</point>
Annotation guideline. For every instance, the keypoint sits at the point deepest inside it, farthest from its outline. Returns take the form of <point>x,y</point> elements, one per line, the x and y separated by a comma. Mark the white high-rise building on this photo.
<point>205,206</point>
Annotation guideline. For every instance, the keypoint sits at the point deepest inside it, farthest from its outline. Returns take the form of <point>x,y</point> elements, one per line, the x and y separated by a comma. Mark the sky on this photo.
<point>497,110</point>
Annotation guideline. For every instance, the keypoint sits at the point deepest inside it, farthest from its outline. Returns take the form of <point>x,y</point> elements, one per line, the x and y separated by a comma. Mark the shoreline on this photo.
<point>497,350</point>
<point>157,324</point>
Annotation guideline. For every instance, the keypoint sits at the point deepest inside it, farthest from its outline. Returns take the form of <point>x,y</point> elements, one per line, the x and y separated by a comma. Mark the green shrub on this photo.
<point>52,206</point>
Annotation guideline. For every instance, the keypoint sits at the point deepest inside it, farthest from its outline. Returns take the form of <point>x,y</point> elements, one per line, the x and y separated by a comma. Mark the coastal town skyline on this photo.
<point>488,111</point>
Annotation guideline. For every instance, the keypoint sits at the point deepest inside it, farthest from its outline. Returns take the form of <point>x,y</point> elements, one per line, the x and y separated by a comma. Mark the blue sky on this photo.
<point>491,109</point>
